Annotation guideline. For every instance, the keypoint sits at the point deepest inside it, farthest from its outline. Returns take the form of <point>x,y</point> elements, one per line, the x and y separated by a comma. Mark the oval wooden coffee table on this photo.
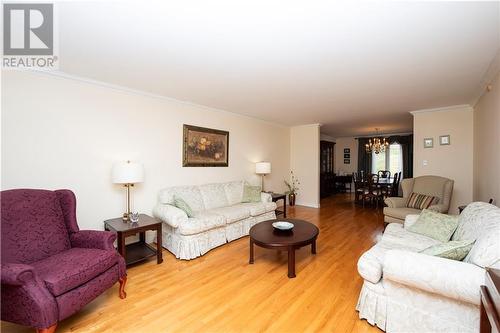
<point>303,233</point>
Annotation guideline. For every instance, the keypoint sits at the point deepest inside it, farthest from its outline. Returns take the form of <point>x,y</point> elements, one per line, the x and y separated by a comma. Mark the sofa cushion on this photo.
<point>183,205</point>
<point>421,201</point>
<point>234,192</point>
<point>481,221</point>
<point>435,225</point>
<point>232,213</point>
<point>214,195</point>
<point>202,221</point>
<point>400,213</point>
<point>259,208</point>
<point>251,193</point>
<point>454,250</point>
<point>74,267</point>
<point>190,194</point>
<point>396,236</point>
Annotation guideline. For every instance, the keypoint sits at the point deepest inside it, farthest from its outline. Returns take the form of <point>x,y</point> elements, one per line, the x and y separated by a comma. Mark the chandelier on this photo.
<point>376,144</point>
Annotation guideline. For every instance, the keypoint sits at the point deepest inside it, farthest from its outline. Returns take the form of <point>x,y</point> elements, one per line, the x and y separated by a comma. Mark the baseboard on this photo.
<point>307,204</point>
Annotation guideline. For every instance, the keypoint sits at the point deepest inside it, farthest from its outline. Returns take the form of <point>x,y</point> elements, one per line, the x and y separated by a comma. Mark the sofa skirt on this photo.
<point>372,304</point>
<point>193,246</point>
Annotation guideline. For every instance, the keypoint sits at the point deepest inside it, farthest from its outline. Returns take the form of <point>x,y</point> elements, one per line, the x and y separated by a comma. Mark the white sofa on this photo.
<point>407,291</point>
<point>219,217</point>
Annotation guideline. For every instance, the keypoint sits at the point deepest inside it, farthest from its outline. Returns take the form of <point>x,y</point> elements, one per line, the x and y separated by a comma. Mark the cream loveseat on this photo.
<point>439,187</point>
<point>219,217</point>
<point>407,291</point>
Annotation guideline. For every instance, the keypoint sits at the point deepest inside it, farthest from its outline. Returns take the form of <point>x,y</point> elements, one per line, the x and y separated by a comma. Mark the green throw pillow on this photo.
<point>251,193</point>
<point>181,204</point>
<point>435,225</point>
<point>456,250</point>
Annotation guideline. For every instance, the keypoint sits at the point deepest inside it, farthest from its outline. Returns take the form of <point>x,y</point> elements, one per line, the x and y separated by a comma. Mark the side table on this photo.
<point>490,302</point>
<point>139,251</point>
<point>277,196</point>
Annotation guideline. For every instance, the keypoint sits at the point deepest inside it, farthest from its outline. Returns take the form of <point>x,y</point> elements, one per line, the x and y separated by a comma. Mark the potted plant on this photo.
<point>292,188</point>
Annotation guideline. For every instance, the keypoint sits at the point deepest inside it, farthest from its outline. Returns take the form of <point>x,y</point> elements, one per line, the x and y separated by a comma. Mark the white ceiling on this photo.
<point>349,66</point>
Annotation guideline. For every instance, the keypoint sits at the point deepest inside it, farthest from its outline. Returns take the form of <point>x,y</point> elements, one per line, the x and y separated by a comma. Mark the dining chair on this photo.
<point>359,186</point>
<point>384,174</point>
<point>373,191</point>
<point>395,184</point>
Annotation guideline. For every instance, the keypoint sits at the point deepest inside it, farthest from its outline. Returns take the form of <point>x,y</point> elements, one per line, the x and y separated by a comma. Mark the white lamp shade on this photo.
<point>262,168</point>
<point>127,173</point>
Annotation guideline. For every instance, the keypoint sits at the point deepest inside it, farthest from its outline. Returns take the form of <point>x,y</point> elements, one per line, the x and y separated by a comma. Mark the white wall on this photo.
<point>453,161</point>
<point>486,144</point>
<point>64,133</point>
<point>340,166</point>
<point>304,161</point>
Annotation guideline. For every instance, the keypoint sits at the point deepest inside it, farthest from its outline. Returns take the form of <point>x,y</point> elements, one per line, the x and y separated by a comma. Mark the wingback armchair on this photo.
<point>439,187</point>
<point>50,268</point>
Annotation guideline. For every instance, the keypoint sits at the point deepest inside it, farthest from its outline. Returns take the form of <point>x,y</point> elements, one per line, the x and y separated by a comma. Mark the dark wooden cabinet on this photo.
<point>327,167</point>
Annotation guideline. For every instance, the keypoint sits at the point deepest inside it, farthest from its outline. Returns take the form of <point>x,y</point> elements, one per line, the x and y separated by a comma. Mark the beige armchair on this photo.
<point>440,187</point>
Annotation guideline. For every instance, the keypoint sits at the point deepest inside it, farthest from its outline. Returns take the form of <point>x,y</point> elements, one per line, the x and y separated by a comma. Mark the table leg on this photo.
<point>313,247</point>
<point>142,237</point>
<point>291,262</point>
<point>159,258</point>
<point>121,244</point>
<point>251,261</point>
<point>284,208</point>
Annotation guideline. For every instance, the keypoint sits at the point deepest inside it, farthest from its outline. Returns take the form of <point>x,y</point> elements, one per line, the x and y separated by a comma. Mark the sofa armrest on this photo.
<point>265,197</point>
<point>25,298</point>
<point>395,202</point>
<point>410,220</point>
<point>93,239</point>
<point>17,274</point>
<point>169,214</point>
<point>450,278</point>
<point>440,208</point>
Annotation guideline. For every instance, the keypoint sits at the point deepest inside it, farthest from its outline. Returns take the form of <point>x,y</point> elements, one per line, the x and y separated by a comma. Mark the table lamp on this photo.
<point>127,173</point>
<point>262,169</point>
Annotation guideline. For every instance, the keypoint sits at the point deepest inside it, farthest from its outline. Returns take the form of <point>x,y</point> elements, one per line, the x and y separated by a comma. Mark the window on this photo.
<point>391,160</point>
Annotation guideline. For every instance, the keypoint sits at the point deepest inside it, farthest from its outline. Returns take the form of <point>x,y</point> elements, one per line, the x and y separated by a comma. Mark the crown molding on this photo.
<point>444,108</point>
<point>131,91</point>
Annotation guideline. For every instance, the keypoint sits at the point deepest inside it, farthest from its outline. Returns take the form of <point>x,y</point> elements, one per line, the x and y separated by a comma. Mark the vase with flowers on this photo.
<point>293,188</point>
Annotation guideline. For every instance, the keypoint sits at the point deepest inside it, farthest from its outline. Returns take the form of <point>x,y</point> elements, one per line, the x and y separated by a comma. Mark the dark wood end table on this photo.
<point>276,197</point>
<point>264,235</point>
<point>490,302</point>
<point>139,251</point>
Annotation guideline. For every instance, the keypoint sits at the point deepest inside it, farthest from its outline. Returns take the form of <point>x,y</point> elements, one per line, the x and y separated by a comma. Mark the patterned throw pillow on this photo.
<point>455,250</point>
<point>251,193</point>
<point>420,201</point>
<point>181,204</point>
<point>435,225</point>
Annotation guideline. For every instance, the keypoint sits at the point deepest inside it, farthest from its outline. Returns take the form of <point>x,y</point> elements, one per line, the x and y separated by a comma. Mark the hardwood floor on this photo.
<point>221,292</point>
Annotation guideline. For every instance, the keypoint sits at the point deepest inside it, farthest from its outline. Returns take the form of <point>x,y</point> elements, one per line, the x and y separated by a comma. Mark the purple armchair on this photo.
<point>51,269</point>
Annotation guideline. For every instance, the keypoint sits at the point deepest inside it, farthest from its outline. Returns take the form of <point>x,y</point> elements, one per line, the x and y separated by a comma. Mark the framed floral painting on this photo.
<point>205,147</point>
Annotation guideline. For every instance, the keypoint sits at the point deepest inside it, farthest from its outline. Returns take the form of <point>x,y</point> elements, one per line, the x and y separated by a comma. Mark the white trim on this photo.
<point>375,135</point>
<point>131,91</point>
<point>444,108</point>
<point>306,204</point>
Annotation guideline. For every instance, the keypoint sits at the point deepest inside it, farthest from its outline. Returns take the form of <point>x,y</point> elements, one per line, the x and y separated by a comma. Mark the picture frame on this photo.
<point>444,140</point>
<point>347,161</point>
<point>347,155</point>
<point>347,150</point>
<point>204,147</point>
<point>428,143</point>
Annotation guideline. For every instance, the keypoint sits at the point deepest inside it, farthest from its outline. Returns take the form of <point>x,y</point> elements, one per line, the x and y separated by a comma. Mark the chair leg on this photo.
<point>122,281</point>
<point>50,329</point>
